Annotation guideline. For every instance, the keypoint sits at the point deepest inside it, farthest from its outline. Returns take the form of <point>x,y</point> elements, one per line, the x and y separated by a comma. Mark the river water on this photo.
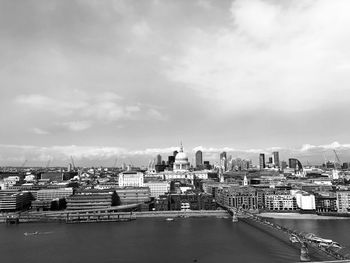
<point>157,240</point>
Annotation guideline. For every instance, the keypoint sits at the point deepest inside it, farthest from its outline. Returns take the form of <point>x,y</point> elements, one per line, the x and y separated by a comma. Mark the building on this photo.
<point>278,202</point>
<point>181,163</point>
<point>343,201</point>
<point>305,201</point>
<point>131,178</point>
<point>240,197</point>
<point>199,159</point>
<point>295,164</point>
<point>158,188</point>
<point>276,159</point>
<point>326,202</point>
<point>262,161</point>
<point>50,194</point>
<point>133,195</point>
<point>92,199</point>
<point>159,159</point>
<point>14,200</point>
<point>223,160</point>
<point>52,176</point>
<point>185,201</point>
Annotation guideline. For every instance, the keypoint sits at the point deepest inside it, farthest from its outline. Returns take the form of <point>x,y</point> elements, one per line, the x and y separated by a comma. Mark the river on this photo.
<point>156,240</point>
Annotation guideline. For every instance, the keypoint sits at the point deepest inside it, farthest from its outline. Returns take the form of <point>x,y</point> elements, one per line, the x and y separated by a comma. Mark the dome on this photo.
<point>181,156</point>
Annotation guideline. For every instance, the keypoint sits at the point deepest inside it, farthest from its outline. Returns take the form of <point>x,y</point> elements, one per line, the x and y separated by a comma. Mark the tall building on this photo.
<point>159,159</point>
<point>223,160</point>
<point>199,159</point>
<point>276,159</point>
<point>262,161</point>
<point>295,164</point>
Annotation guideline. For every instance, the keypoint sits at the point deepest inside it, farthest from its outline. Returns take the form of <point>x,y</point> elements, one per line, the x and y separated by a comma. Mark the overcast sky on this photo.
<point>104,79</point>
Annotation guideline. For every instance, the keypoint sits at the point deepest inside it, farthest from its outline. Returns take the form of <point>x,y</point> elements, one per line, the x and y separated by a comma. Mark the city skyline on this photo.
<point>125,79</point>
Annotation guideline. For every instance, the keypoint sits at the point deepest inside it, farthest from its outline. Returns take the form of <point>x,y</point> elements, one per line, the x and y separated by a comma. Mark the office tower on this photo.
<point>223,160</point>
<point>270,160</point>
<point>159,159</point>
<point>283,165</point>
<point>276,159</point>
<point>175,153</point>
<point>262,161</point>
<point>199,159</point>
<point>295,164</point>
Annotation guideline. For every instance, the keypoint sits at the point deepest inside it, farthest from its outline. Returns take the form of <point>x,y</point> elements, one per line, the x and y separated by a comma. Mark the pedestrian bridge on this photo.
<point>309,250</point>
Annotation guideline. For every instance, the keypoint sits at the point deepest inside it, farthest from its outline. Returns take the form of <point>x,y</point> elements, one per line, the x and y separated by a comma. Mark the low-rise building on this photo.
<point>133,195</point>
<point>278,202</point>
<point>158,188</point>
<point>326,202</point>
<point>14,200</point>
<point>50,194</point>
<point>131,178</point>
<point>343,201</point>
<point>92,199</point>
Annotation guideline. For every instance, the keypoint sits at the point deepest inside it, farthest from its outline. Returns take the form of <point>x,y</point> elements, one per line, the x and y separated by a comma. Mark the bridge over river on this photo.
<point>310,251</point>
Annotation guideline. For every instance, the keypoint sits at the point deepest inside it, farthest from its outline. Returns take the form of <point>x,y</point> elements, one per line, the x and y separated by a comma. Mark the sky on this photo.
<point>100,80</point>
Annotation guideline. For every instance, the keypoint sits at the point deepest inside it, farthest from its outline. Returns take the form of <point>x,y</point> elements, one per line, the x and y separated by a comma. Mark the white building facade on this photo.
<point>131,178</point>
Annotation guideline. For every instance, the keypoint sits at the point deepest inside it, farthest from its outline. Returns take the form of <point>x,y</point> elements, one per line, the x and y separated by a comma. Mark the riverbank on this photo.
<point>298,216</point>
<point>110,216</point>
<point>192,213</point>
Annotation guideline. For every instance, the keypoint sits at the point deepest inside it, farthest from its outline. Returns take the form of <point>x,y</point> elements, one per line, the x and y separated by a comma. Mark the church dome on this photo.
<point>181,157</point>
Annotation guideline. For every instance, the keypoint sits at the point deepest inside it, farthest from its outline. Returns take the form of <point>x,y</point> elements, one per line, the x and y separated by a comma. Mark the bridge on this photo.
<point>309,249</point>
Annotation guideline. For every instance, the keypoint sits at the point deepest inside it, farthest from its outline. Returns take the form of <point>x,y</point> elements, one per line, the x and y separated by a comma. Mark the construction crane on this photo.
<point>24,163</point>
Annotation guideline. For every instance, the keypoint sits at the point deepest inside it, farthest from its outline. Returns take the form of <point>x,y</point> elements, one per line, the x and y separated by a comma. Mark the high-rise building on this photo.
<point>276,159</point>
<point>159,159</point>
<point>199,159</point>
<point>262,161</point>
<point>283,165</point>
<point>295,164</point>
<point>223,160</point>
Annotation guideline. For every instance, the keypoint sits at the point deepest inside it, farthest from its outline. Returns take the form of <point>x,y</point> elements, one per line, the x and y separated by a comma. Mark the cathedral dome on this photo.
<point>181,157</point>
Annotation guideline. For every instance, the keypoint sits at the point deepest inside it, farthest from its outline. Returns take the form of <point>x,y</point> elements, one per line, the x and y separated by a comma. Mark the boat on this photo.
<point>293,238</point>
<point>31,233</point>
<point>169,219</point>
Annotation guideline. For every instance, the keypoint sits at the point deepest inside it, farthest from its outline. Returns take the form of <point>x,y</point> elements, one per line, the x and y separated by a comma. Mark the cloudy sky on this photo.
<point>101,80</point>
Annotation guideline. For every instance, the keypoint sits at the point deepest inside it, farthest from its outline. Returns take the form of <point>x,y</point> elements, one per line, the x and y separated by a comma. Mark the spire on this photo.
<point>181,147</point>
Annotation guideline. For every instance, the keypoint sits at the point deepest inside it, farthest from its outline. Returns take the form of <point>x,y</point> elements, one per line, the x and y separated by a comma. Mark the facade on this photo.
<point>181,163</point>
<point>199,159</point>
<point>305,201</point>
<point>159,159</point>
<point>133,195</point>
<point>295,164</point>
<point>240,197</point>
<point>50,194</point>
<point>262,161</point>
<point>188,201</point>
<point>158,188</point>
<point>52,176</point>
<point>326,202</point>
<point>343,201</point>
<point>92,199</point>
<point>131,178</point>
<point>14,200</point>
<point>276,159</point>
<point>280,202</point>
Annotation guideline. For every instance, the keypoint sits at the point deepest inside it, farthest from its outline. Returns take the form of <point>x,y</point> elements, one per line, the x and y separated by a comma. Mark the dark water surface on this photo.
<point>151,240</point>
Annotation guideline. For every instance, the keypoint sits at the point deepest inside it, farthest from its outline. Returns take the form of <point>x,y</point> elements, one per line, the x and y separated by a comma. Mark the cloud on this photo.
<point>103,107</point>
<point>77,125</point>
<point>40,131</point>
<point>86,155</point>
<point>284,57</point>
